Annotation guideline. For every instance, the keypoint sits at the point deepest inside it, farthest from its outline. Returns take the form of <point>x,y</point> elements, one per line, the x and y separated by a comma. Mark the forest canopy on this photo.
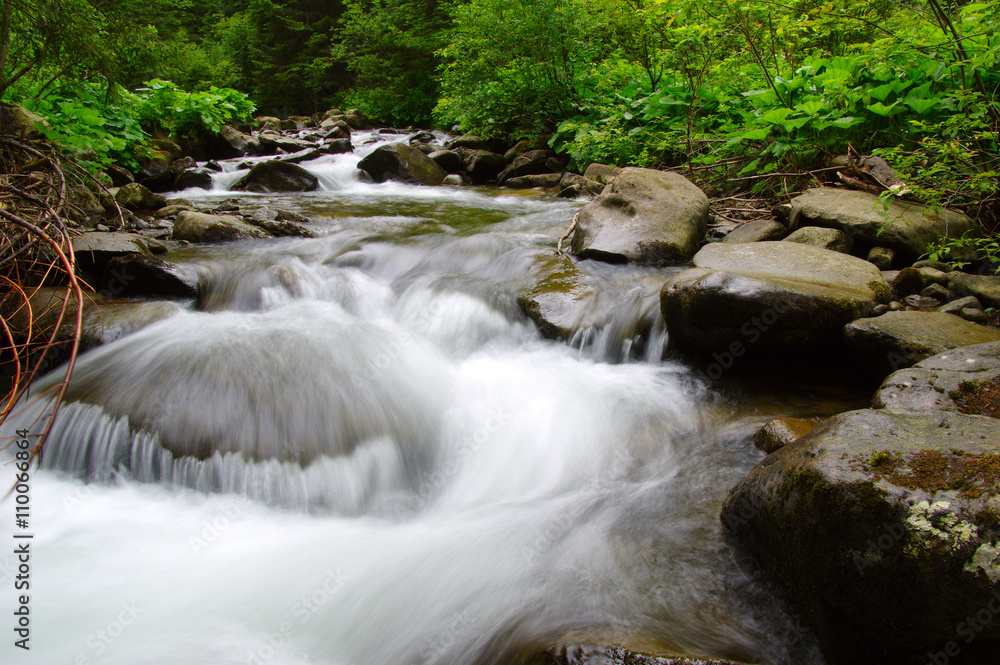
<point>765,85</point>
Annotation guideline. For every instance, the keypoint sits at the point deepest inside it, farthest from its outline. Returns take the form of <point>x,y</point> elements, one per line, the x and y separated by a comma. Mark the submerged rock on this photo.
<point>881,527</point>
<point>769,295</point>
<point>645,216</point>
<point>563,300</point>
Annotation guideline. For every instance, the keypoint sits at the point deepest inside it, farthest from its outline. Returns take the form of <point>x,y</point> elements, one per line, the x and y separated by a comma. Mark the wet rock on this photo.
<point>277,176</point>
<point>881,529</point>
<point>339,146</point>
<point>976,316</point>
<point>645,216</point>
<point>482,165</point>
<point>907,282</point>
<point>922,303</point>
<point>399,161</point>
<point>284,228</point>
<point>562,299</point>
<point>135,196</point>
<point>300,121</point>
<point>199,227</point>
<point>356,119</point>
<point>449,160</point>
<point>595,654</point>
<point>453,180</point>
<point>832,239</point>
<point>882,257</point>
<point>147,276</point>
<point>155,171</point>
<point>935,291</point>
<point>984,287</point>
<point>199,178</point>
<point>906,227</point>
<point>931,275</point>
<point>544,180</point>
<point>770,295</point>
<point>757,231</point>
<point>273,141</point>
<point>950,381</point>
<point>268,123</point>
<point>900,339</point>
<point>780,432</point>
<point>472,143</point>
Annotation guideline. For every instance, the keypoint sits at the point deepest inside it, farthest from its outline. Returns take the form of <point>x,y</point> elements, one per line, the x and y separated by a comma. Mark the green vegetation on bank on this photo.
<point>737,94</point>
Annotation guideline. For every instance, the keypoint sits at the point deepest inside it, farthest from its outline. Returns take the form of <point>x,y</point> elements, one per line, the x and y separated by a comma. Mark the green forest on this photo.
<point>750,92</point>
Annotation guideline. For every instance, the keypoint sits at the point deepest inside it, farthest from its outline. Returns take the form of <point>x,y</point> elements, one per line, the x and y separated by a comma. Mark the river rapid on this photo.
<point>355,449</point>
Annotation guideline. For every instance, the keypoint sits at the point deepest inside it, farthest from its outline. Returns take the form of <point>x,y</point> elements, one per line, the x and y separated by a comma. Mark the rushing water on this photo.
<point>354,449</point>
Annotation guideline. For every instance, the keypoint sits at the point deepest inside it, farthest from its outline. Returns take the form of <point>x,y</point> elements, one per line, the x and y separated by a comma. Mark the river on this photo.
<point>355,449</point>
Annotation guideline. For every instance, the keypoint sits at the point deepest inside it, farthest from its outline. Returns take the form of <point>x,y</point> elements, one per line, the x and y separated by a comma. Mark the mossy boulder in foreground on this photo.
<point>883,529</point>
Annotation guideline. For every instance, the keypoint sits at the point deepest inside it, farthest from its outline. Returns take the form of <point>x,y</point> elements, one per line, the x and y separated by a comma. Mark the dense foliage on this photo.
<point>737,93</point>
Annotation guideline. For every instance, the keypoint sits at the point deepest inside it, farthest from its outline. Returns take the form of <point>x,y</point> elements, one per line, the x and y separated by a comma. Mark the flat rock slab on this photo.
<point>199,227</point>
<point>897,340</point>
<point>882,529</point>
<point>769,295</point>
<point>104,246</point>
<point>906,227</point>
<point>949,381</point>
<point>644,216</point>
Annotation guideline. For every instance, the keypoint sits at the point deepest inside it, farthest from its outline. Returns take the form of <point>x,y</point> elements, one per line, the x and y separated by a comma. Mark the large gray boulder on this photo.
<point>399,161</point>
<point>964,380</point>
<point>135,196</point>
<point>482,165</point>
<point>881,528</point>
<point>897,340</point>
<point>277,176</point>
<point>645,216</point>
<point>199,227</point>
<point>532,162</point>
<point>906,227</point>
<point>102,247</point>
<point>769,295</point>
<point>234,143</point>
<point>146,276</point>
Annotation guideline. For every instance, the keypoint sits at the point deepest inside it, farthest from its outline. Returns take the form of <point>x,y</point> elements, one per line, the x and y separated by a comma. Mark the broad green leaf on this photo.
<point>883,110</point>
<point>777,115</point>
<point>921,106</point>
<point>811,107</point>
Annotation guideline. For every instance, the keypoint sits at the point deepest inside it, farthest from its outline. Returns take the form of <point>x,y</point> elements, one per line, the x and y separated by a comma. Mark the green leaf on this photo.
<point>811,107</point>
<point>776,116</point>
<point>921,106</point>
<point>883,110</point>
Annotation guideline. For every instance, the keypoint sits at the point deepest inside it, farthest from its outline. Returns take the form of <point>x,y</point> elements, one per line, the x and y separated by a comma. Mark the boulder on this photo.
<point>272,141</point>
<point>833,239</point>
<point>449,160</point>
<point>199,178</point>
<point>268,123</point>
<point>277,176</point>
<point>645,216</point>
<point>986,288</point>
<point>155,172</point>
<point>562,300</point>
<point>233,143</point>
<point>482,165</point>
<point>102,247</point>
<point>339,146</point>
<point>135,196</point>
<point>759,230</point>
<point>356,119</point>
<point>146,276</point>
<point>881,528</point>
<point>603,654</point>
<point>906,227</point>
<point>882,257</point>
<point>399,161</point>
<point>17,120</point>
<point>471,142</point>
<point>199,227</point>
<point>963,380</point>
<point>300,121</point>
<point>896,340</point>
<point>770,295</point>
<point>119,175</point>
<point>527,181</point>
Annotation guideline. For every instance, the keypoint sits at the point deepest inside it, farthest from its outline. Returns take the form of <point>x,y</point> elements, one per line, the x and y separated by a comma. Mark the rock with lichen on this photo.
<point>883,530</point>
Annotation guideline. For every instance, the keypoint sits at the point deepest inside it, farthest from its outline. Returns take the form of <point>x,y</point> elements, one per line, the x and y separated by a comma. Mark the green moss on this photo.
<point>970,475</point>
<point>883,293</point>
<point>980,398</point>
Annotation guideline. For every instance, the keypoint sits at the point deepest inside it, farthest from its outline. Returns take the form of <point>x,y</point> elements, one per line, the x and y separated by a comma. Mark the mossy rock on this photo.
<point>883,529</point>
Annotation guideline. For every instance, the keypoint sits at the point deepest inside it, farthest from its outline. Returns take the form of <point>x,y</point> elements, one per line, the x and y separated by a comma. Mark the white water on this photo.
<point>377,460</point>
